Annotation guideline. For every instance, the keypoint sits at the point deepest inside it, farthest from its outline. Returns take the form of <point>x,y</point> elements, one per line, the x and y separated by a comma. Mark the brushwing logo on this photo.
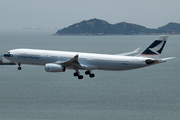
<point>158,48</point>
<point>155,48</point>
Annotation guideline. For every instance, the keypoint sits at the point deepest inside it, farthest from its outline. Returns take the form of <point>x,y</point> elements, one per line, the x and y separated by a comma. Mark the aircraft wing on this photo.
<point>128,53</point>
<point>72,63</point>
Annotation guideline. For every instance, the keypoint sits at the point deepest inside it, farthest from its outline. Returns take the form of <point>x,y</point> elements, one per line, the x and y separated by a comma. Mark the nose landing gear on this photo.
<point>19,68</point>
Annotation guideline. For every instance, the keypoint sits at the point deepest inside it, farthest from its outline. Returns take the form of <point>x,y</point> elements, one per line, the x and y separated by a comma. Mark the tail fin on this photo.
<point>155,49</point>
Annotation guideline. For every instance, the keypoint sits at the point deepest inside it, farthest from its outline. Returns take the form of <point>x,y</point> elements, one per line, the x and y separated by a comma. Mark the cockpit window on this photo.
<point>8,52</point>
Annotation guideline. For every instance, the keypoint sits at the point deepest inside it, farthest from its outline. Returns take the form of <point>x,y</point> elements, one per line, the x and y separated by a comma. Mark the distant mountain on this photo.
<point>101,27</point>
<point>173,28</point>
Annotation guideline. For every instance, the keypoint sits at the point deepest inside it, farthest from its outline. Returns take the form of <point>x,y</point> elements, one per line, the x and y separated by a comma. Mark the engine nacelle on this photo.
<point>149,61</point>
<point>51,67</point>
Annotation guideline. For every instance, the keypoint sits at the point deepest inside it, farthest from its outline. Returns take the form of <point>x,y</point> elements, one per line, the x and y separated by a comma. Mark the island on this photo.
<point>101,27</point>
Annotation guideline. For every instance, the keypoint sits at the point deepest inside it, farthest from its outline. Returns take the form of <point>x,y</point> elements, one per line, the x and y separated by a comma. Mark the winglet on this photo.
<point>72,60</point>
<point>75,57</point>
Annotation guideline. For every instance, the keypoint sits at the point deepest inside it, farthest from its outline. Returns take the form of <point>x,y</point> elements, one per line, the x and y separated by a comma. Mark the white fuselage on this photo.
<point>89,61</point>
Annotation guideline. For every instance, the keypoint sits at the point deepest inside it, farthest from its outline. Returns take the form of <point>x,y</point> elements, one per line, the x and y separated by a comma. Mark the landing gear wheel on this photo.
<point>80,77</point>
<point>87,72</point>
<point>19,68</point>
<point>91,75</point>
<point>76,74</point>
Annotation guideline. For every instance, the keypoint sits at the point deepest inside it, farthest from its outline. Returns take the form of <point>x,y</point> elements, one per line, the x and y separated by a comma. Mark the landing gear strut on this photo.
<point>91,75</point>
<point>19,68</point>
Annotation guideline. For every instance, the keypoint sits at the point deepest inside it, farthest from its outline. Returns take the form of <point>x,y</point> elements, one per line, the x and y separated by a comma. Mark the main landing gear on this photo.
<point>77,74</point>
<point>19,68</point>
<point>88,72</point>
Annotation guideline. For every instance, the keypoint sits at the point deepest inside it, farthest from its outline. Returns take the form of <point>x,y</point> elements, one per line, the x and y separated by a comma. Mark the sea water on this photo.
<point>151,93</point>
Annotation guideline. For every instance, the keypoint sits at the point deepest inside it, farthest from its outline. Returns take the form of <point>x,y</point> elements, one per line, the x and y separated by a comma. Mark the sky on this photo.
<point>56,14</point>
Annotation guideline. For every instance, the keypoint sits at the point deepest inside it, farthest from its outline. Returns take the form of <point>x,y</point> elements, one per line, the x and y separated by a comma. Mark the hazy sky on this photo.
<point>50,14</point>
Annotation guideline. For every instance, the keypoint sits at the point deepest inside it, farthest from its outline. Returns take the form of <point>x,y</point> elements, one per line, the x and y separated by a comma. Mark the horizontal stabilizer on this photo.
<point>150,61</point>
<point>168,58</point>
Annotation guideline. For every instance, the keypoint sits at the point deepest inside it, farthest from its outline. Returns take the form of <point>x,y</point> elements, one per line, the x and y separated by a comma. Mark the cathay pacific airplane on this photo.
<point>59,61</point>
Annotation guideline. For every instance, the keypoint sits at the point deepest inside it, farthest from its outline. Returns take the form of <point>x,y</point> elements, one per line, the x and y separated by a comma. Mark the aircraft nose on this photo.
<point>6,55</point>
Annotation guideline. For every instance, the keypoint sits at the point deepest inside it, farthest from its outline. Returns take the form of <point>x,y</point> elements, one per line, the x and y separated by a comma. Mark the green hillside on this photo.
<point>101,27</point>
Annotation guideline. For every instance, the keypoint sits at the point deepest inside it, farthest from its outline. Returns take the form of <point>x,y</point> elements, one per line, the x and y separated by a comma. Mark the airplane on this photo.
<point>59,61</point>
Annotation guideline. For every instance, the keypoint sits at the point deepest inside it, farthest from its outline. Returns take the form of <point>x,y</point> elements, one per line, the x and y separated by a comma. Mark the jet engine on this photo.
<point>149,61</point>
<point>51,67</point>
